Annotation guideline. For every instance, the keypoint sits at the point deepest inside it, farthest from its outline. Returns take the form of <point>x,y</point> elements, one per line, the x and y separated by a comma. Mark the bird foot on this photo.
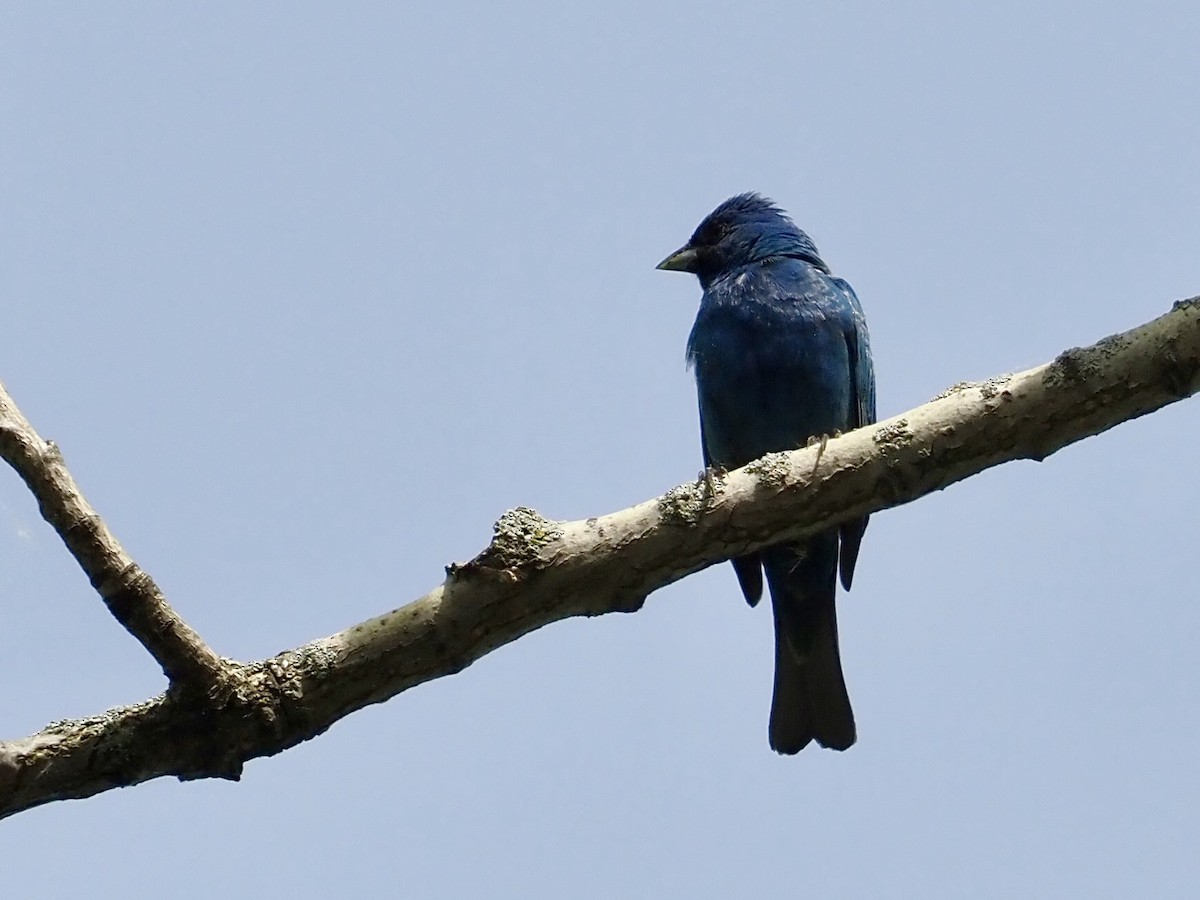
<point>710,476</point>
<point>823,440</point>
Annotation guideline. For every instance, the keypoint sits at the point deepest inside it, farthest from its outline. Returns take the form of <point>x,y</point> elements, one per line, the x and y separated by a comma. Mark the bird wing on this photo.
<point>862,412</point>
<point>747,568</point>
<point>862,368</point>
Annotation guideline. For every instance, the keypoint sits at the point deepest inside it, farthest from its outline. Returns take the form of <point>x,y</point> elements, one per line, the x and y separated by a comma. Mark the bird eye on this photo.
<point>712,233</point>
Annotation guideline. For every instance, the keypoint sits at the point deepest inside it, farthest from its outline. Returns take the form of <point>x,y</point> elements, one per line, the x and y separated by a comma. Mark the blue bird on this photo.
<point>781,356</point>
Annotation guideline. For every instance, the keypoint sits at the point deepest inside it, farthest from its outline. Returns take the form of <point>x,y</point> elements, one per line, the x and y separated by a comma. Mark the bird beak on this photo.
<point>682,260</point>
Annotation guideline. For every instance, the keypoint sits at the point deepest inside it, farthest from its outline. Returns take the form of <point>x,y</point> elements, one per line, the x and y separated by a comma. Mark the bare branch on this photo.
<point>536,571</point>
<point>130,594</point>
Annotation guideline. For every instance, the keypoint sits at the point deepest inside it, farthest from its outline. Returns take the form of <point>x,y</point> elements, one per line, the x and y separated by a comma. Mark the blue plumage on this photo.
<point>781,355</point>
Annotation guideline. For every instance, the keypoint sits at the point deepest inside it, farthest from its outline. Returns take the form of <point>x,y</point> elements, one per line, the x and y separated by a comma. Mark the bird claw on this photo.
<point>823,440</point>
<point>710,475</point>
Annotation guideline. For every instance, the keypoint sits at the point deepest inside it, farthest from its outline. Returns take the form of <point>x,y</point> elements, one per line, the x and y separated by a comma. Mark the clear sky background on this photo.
<point>310,294</point>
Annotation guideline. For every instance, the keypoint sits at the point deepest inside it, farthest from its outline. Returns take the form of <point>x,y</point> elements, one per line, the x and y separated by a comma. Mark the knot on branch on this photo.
<point>772,470</point>
<point>518,538</point>
<point>685,504</point>
<point>894,436</point>
<point>1074,366</point>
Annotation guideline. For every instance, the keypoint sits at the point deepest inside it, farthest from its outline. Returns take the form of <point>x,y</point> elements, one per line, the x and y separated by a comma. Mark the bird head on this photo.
<point>744,229</point>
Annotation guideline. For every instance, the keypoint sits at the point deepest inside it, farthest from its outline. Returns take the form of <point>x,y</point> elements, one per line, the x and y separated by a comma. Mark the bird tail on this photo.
<point>810,701</point>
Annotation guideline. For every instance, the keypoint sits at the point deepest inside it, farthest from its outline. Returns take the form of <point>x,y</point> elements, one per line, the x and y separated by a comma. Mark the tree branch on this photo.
<point>536,571</point>
<point>129,593</point>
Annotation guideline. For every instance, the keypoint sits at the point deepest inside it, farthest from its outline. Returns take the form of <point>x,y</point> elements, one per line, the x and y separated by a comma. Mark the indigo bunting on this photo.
<point>781,356</point>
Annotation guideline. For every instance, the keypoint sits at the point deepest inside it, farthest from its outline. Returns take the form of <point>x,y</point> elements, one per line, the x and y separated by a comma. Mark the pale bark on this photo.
<point>216,714</point>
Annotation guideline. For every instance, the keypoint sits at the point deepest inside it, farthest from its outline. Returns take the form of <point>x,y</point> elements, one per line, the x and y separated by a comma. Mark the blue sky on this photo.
<point>310,294</point>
